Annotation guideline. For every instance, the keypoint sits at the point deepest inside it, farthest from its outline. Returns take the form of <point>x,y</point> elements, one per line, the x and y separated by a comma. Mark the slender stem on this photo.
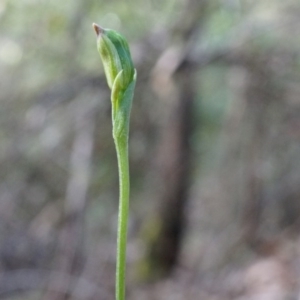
<point>123,165</point>
<point>121,78</point>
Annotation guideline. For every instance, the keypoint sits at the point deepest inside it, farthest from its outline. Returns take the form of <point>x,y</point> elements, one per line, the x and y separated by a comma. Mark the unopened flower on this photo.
<point>115,56</point>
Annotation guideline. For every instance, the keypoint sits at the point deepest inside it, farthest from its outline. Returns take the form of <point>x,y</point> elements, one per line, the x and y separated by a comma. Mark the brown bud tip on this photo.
<point>97,28</point>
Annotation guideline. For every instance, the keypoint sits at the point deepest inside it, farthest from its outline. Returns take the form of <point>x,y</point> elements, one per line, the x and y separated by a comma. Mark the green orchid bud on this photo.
<point>121,78</point>
<point>115,56</point>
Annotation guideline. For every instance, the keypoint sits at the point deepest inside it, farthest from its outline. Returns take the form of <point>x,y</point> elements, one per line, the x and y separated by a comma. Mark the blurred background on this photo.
<point>214,150</point>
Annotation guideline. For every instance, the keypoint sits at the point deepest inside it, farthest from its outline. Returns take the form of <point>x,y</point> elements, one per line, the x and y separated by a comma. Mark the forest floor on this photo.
<point>271,277</point>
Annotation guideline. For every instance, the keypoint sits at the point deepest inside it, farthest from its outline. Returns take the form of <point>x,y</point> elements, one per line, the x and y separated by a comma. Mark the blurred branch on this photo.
<point>173,157</point>
<point>231,55</point>
<point>70,254</point>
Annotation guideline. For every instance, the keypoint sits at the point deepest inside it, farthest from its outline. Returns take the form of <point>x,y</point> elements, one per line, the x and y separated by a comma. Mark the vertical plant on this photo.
<point>121,78</point>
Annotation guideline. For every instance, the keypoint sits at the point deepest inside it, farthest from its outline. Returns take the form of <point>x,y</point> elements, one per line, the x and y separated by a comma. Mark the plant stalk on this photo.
<point>123,166</point>
<point>121,78</point>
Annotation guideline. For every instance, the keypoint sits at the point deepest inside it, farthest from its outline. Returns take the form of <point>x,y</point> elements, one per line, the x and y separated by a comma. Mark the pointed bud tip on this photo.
<point>98,29</point>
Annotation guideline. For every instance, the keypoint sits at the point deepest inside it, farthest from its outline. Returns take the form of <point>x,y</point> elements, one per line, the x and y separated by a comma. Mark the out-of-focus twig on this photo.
<point>70,255</point>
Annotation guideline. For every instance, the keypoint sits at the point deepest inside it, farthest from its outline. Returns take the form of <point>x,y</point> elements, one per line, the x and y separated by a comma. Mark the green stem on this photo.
<point>123,165</point>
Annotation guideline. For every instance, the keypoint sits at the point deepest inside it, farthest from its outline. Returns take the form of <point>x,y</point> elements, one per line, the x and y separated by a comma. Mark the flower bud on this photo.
<point>115,56</point>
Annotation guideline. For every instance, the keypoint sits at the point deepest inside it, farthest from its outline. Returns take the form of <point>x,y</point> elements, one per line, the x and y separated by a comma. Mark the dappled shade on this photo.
<point>214,151</point>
